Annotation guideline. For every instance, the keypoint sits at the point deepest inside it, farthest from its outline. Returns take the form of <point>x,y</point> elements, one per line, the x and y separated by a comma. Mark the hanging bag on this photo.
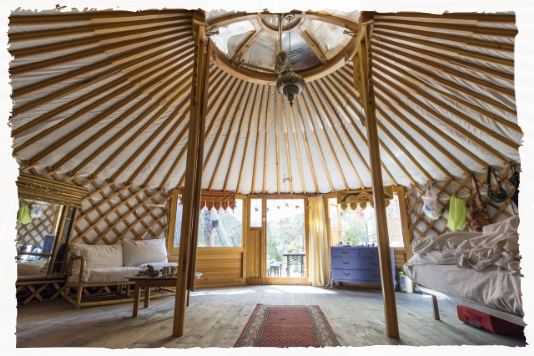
<point>457,212</point>
<point>499,195</point>
<point>431,206</point>
<point>514,179</point>
<point>478,210</point>
<point>36,211</point>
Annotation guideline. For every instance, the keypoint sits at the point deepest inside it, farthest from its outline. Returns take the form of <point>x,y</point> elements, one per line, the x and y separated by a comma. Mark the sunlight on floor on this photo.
<point>270,289</point>
<point>303,289</point>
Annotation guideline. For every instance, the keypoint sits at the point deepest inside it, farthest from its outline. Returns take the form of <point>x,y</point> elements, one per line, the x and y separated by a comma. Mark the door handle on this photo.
<point>373,253</point>
<point>375,275</point>
<point>345,274</point>
<point>374,263</point>
<point>344,252</point>
<point>345,263</point>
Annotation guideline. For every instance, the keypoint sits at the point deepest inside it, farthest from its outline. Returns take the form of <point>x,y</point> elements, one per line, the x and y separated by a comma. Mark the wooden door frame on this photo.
<point>285,280</point>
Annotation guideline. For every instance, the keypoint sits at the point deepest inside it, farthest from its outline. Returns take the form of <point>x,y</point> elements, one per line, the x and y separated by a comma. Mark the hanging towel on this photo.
<point>24,215</point>
<point>457,211</point>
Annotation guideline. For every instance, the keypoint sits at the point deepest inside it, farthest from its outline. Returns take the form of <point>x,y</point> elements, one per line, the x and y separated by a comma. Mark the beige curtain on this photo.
<point>319,258</point>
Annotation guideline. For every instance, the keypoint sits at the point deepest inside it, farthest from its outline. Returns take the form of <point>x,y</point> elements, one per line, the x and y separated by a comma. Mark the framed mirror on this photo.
<point>46,217</point>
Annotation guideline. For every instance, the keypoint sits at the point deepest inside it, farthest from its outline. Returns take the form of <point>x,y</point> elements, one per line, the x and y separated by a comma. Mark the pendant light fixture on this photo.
<point>289,83</point>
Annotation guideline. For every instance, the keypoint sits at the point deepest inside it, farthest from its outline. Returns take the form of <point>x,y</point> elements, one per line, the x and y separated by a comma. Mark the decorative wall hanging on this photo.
<point>216,200</point>
<point>361,198</point>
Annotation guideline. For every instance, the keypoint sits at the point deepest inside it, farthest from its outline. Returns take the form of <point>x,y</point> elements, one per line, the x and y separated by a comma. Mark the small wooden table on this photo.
<point>297,257</point>
<point>149,282</point>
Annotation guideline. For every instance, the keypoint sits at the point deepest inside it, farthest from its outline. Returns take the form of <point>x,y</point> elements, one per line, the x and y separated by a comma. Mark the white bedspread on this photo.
<point>490,288</point>
<point>511,252</point>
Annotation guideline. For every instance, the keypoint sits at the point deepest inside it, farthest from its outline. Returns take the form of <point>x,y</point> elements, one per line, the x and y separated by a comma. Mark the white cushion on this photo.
<point>97,256</point>
<point>138,252</point>
<point>505,226</point>
<point>106,275</point>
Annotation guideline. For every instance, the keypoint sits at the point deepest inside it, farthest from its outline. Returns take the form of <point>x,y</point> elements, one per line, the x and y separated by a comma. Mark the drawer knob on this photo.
<point>374,263</point>
<point>345,262</point>
<point>373,253</point>
<point>345,274</point>
<point>344,252</point>
<point>375,275</point>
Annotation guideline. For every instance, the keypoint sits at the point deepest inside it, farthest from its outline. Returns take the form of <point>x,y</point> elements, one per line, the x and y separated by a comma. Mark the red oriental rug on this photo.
<point>287,326</point>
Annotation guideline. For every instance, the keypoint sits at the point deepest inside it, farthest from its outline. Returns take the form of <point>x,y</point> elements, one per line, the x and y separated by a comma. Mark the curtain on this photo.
<point>319,259</point>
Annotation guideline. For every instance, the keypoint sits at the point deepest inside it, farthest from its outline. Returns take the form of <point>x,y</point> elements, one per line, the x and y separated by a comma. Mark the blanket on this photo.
<point>496,248</point>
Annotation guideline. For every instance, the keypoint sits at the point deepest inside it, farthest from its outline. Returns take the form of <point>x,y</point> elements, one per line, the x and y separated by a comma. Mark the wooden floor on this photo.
<point>216,317</point>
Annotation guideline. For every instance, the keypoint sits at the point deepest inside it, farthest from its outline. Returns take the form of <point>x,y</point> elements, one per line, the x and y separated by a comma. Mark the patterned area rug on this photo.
<point>287,326</point>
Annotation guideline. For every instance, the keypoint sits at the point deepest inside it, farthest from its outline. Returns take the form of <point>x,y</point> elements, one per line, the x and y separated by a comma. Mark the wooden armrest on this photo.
<point>82,266</point>
<point>16,254</point>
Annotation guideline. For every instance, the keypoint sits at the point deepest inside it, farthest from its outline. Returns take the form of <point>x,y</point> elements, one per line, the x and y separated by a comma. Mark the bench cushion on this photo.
<point>97,256</point>
<point>28,268</point>
<point>105,275</point>
<point>138,252</point>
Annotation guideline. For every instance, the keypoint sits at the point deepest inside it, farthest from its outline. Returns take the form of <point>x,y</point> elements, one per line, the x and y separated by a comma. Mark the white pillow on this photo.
<point>97,256</point>
<point>508,225</point>
<point>138,252</point>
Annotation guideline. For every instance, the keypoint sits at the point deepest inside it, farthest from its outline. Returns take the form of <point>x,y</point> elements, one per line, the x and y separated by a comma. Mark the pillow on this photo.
<point>138,252</point>
<point>96,256</point>
<point>505,226</point>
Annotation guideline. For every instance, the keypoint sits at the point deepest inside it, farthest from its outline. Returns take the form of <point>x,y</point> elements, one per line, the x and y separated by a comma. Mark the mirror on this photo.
<point>45,220</point>
<point>37,226</point>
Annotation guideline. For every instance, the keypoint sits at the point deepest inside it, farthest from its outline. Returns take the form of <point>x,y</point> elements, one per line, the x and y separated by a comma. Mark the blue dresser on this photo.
<point>358,265</point>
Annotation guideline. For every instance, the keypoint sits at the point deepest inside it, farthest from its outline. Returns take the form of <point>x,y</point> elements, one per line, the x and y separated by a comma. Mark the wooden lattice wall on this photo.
<point>465,189</point>
<point>113,212</point>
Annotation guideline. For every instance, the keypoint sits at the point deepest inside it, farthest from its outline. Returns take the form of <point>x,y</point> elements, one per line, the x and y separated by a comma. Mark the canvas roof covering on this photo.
<point>106,94</point>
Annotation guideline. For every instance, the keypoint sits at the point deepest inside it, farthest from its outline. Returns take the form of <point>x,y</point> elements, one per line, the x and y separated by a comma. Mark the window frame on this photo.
<point>174,251</point>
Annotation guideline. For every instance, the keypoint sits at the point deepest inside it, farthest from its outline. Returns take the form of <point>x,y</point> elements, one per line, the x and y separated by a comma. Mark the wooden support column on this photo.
<point>405,221</point>
<point>384,251</point>
<point>193,175</point>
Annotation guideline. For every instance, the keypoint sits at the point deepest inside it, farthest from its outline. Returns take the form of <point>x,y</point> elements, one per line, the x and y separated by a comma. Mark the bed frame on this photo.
<point>513,318</point>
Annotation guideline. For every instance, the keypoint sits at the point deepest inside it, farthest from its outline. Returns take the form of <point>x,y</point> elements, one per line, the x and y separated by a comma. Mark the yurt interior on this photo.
<point>311,178</point>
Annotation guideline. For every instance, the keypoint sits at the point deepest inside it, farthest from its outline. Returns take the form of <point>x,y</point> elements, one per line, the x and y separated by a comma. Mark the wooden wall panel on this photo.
<point>253,254</point>
<point>220,266</point>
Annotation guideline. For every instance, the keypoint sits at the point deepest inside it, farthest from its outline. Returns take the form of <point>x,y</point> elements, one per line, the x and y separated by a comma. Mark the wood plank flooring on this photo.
<point>216,317</point>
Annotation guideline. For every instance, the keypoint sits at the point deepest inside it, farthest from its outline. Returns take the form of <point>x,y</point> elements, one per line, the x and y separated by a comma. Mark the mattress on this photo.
<point>491,288</point>
<point>31,268</point>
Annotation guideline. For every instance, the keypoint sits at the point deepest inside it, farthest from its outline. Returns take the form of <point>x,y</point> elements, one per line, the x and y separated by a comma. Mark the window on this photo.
<point>223,228</point>
<point>255,212</point>
<point>359,226</point>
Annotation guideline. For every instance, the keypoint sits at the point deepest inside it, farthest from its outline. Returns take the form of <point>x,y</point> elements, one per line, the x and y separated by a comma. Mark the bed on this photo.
<point>478,290</point>
<point>478,270</point>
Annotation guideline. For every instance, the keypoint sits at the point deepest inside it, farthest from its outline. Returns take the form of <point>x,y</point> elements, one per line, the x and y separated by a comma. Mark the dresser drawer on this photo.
<point>355,263</point>
<point>354,274</point>
<point>369,253</point>
<point>344,252</point>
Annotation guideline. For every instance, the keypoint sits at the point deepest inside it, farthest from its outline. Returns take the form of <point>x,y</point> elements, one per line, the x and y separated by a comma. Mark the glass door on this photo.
<point>286,238</point>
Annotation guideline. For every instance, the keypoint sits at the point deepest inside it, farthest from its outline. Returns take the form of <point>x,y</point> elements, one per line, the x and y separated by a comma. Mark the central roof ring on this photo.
<point>299,18</point>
